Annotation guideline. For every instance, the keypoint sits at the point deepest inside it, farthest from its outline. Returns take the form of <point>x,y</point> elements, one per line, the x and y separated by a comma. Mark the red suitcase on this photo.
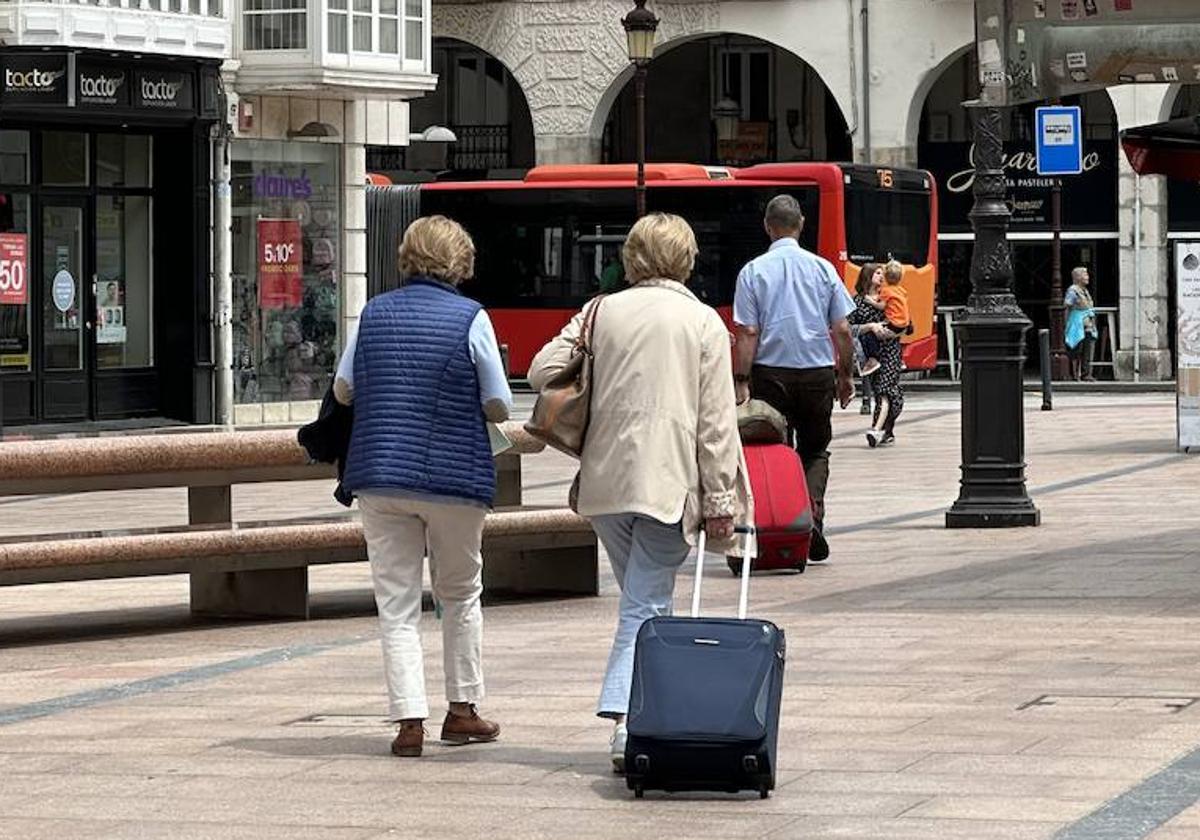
<point>782,512</point>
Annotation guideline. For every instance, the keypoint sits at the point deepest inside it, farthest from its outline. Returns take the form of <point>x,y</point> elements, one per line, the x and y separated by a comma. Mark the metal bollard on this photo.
<point>1047,387</point>
<point>868,395</point>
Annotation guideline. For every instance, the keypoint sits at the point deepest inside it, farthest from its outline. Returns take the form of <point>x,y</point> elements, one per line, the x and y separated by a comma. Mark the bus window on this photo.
<point>882,223</point>
<point>553,248</point>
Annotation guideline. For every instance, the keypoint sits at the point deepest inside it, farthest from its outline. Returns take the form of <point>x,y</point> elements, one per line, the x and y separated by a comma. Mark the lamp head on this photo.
<point>640,26</point>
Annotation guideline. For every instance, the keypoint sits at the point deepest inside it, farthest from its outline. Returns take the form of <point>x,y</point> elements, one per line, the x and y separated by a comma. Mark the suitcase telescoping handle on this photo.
<point>747,562</point>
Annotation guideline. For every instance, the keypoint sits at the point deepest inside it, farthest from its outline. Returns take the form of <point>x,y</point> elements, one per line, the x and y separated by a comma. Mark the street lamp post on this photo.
<point>992,336</point>
<point>640,26</point>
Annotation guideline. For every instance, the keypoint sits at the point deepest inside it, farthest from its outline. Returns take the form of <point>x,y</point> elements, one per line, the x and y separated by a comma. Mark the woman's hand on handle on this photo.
<point>741,392</point>
<point>719,528</point>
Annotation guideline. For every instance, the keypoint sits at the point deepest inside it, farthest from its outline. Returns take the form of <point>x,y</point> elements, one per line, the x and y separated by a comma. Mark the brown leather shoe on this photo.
<point>463,729</point>
<point>410,740</point>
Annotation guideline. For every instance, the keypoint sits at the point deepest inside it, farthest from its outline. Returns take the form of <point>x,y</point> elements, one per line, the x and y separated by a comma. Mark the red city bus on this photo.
<point>549,242</point>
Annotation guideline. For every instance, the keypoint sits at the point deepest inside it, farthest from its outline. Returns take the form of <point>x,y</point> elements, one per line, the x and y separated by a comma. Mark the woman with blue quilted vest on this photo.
<point>424,373</point>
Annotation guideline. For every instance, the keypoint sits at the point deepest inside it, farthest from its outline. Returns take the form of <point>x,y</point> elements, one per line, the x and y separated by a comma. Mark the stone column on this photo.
<point>352,282</point>
<point>1143,322</point>
<point>1142,105</point>
<point>567,148</point>
<point>894,156</point>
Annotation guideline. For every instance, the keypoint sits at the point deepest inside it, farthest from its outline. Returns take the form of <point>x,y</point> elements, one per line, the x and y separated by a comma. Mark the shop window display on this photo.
<point>285,269</point>
<point>14,252</point>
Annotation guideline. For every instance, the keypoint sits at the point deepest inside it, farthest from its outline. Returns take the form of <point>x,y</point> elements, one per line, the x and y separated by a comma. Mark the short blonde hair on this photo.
<point>435,246</point>
<point>659,246</point>
<point>893,272</point>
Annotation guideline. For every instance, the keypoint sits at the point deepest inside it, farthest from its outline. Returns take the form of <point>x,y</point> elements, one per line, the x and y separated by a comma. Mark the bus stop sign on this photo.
<point>1059,140</point>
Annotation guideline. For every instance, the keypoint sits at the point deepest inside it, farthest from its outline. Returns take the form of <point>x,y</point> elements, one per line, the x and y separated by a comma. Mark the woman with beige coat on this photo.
<point>662,453</point>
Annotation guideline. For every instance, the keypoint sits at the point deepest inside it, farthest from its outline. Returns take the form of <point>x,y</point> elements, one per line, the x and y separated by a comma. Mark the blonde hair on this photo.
<point>893,272</point>
<point>659,245</point>
<point>435,246</point>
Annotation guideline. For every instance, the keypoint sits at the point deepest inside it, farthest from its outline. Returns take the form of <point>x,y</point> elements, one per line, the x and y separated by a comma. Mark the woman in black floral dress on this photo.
<point>885,382</point>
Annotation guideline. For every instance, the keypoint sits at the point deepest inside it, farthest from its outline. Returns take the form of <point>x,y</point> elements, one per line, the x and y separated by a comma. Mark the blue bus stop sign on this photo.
<point>1059,140</point>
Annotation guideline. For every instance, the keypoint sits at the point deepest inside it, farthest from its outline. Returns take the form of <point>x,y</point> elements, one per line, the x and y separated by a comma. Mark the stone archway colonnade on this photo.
<point>569,57</point>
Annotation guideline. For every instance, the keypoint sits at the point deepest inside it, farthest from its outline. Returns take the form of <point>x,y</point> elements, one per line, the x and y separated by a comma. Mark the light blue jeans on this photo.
<point>645,556</point>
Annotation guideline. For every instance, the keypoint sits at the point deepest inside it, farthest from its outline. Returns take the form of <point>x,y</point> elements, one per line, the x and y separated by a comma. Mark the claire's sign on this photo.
<point>280,264</point>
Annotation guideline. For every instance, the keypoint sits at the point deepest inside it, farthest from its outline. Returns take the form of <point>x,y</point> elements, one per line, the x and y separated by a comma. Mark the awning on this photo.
<point>1170,148</point>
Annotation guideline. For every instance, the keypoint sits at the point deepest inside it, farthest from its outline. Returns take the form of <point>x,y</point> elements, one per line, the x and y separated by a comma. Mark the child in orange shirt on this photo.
<point>893,299</point>
<point>893,302</point>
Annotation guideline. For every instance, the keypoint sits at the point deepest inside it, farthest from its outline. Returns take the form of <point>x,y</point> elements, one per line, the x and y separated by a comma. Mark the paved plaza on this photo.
<point>984,685</point>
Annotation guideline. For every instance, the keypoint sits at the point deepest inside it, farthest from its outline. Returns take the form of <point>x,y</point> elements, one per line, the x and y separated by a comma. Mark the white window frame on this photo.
<point>744,51</point>
<point>300,12</point>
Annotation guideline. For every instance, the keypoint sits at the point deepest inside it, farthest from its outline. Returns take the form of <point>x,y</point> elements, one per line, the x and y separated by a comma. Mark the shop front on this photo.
<point>286,235</point>
<point>104,240</point>
<point>1089,218</point>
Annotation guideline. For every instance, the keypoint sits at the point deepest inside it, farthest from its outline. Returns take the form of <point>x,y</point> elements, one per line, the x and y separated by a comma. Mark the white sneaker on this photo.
<point>873,438</point>
<point>617,747</point>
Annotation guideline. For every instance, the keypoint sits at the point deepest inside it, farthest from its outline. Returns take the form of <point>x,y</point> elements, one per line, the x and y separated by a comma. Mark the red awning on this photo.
<point>1170,148</point>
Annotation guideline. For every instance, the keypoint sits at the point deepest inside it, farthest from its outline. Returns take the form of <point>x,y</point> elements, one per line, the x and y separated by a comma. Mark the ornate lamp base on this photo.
<point>993,494</point>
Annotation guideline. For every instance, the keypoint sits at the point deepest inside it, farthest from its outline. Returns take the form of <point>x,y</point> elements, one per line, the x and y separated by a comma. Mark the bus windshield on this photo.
<point>553,248</point>
<point>887,223</point>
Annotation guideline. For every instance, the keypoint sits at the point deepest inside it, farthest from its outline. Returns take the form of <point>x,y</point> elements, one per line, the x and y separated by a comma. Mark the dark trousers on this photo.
<point>1082,355</point>
<point>870,344</point>
<point>805,397</point>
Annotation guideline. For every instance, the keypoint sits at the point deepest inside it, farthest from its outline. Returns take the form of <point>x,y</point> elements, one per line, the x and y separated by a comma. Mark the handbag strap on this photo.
<point>584,342</point>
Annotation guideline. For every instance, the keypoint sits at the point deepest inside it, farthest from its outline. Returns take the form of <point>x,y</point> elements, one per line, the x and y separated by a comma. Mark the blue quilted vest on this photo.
<point>418,424</point>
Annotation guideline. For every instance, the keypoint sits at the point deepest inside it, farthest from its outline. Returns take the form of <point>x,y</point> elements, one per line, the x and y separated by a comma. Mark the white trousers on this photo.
<point>399,533</point>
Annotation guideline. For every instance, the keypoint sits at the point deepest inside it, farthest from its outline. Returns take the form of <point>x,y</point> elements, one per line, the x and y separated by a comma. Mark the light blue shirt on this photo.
<point>485,355</point>
<point>793,298</point>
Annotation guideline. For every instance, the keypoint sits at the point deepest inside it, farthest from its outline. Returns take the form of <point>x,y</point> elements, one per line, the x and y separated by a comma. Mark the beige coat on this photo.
<point>663,439</point>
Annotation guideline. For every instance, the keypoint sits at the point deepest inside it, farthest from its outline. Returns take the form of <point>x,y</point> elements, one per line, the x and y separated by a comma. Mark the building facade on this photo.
<point>879,81</point>
<point>182,181</point>
<point>182,208</point>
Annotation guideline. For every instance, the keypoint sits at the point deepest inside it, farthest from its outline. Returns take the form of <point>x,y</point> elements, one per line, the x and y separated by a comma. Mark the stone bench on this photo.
<point>259,571</point>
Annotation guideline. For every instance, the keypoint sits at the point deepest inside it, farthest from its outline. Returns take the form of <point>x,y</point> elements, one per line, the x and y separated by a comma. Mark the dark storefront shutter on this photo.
<point>390,210</point>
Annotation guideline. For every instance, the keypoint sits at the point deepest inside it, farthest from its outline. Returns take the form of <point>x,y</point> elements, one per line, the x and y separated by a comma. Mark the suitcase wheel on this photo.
<point>763,792</point>
<point>639,792</point>
<point>735,565</point>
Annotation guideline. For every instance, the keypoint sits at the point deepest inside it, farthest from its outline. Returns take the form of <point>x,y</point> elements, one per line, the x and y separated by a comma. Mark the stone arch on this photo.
<point>823,127</point>
<point>478,96</point>
<point>623,77</point>
<point>565,55</point>
<point>916,108</point>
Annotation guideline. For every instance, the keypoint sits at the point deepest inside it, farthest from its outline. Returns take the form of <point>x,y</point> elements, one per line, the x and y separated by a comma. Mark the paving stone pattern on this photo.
<point>983,685</point>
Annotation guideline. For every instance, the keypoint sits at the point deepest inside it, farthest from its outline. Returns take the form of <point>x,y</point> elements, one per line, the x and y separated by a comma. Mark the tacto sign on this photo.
<point>36,79</point>
<point>102,87</point>
<point>164,90</point>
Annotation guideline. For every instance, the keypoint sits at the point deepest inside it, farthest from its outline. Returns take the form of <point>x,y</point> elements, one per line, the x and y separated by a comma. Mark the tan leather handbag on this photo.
<point>563,408</point>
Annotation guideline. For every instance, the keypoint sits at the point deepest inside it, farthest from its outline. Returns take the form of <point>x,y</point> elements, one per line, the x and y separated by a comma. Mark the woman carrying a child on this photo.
<point>879,337</point>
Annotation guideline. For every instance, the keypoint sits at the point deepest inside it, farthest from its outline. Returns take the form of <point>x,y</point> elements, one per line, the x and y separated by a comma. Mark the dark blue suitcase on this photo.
<point>704,709</point>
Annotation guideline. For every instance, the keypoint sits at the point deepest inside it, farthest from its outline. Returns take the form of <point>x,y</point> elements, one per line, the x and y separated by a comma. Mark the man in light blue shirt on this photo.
<point>789,311</point>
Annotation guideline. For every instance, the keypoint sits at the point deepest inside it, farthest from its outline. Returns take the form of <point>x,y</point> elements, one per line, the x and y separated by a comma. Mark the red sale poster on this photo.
<point>280,271</point>
<point>14,265</point>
